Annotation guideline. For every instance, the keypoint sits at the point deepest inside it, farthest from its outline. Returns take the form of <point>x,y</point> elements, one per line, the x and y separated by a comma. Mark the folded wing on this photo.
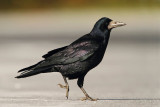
<point>73,53</point>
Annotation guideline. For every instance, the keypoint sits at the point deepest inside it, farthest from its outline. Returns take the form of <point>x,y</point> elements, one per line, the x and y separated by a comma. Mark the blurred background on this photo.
<point>31,28</point>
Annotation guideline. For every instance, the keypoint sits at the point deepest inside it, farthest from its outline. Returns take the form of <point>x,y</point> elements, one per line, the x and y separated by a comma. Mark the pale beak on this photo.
<point>114,24</point>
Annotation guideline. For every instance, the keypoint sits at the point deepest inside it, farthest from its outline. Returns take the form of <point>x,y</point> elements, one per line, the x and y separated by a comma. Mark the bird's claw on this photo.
<point>88,98</point>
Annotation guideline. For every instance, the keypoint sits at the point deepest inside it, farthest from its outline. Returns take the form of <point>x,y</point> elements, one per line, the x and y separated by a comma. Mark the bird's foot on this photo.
<point>88,98</point>
<point>62,86</point>
<point>65,87</point>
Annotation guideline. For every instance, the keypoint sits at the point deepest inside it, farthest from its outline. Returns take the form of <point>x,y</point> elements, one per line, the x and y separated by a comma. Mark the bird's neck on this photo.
<point>101,36</point>
<point>106,37</point>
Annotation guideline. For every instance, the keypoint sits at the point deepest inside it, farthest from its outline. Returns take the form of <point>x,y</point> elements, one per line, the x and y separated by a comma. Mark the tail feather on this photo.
<point>34,70</point>
<point>27,74</point>
<point>30,67</point>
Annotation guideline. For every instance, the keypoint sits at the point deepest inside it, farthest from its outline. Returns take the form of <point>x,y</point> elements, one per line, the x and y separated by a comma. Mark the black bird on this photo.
<point>75,60</point>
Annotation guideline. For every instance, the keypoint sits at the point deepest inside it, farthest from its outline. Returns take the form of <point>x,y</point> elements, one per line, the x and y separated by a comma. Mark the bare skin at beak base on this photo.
<point>114,24</point>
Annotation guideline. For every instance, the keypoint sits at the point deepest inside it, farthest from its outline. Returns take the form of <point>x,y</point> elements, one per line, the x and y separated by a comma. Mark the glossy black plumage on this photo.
<point>75,60</point>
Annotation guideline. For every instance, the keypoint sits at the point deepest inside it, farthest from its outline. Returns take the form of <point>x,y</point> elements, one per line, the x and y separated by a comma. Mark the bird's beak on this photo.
<point>114,24</point>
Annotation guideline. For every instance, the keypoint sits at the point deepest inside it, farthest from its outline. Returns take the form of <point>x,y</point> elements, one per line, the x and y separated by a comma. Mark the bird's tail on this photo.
<point>34,70</point>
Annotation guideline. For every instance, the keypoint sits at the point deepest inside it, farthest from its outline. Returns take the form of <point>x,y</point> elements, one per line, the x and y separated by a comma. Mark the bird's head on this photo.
<point>106,25</point>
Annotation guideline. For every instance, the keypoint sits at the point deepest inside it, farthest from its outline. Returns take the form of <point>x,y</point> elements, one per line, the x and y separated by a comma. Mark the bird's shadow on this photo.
<point>129,99</point>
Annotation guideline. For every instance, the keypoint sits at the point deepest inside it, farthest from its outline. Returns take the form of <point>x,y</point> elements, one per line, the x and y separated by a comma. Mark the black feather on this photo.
<point>50,53</point>
<point>30,67</point>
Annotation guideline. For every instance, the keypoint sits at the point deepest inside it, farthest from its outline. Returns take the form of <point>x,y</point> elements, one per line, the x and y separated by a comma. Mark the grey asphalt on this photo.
<point>127,77</point>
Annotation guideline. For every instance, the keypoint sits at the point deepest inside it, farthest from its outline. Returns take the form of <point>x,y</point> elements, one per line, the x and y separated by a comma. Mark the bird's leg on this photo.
<point>66,86</point>
<point>80,84</point>
<point>87,96</point>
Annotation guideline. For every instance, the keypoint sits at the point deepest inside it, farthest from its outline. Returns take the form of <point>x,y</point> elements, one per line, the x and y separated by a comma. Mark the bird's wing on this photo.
<point>73,53</point>
<point>50,53</point>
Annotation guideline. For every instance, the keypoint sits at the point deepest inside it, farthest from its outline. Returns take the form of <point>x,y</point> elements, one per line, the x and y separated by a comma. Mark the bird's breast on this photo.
<point>97,57</point>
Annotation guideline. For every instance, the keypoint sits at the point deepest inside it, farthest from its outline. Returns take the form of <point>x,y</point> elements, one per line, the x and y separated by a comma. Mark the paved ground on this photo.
<point>127,77</point>
<point>34,99</point>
